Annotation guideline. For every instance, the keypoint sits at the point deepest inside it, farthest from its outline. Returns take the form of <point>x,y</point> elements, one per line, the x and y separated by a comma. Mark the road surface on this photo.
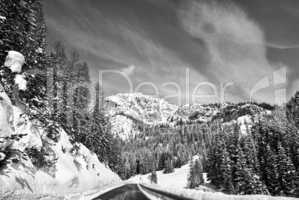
<point>126,192</point>
<point>137,192</point>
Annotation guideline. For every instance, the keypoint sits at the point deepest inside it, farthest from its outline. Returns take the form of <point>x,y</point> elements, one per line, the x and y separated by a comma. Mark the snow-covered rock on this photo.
<point>2,18</point>
<point>73,167</point>
<point>245,123</point>
<point>39,50</point>
<point>127,111</point>
<point>15,61</point>
<point>21,82</point>
<point>194,114</point>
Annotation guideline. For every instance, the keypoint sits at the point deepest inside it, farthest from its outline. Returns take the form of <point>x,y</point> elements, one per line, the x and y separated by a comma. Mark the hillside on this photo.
<point>32,162</point>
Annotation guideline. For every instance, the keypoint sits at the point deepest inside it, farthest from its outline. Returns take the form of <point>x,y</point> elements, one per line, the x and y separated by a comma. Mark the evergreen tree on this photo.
<point>219,165</point>
<point>254,184</point>
<point>286,171</point>
<point>239,173</point>
<point>23,30</point>
<point>81,98</point>
<point>99,138</point>
<point>153,177</point>
<point>270,172</point>
<point>226,172</point>
<point>293,110</point>
<point>195,174</point>
<point>250,153</point>
<point>168,166</point>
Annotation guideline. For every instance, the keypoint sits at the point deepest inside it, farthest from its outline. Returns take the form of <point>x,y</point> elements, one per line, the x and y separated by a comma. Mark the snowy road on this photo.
<point>137,192</point>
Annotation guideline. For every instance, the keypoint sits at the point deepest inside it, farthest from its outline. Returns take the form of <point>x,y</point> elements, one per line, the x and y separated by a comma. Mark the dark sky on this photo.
<point>171,47</point>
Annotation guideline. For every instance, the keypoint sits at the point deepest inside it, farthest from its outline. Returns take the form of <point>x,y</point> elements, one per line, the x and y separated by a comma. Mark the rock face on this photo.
<point>194,114</point>
<point>30,161</point>
<point>129,112</point>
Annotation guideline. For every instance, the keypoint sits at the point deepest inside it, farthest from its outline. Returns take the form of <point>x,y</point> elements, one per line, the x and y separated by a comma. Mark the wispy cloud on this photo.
<point>154,41</point>
<point>236,43</point>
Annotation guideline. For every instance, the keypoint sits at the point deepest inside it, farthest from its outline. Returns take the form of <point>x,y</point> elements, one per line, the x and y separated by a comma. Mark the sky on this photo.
<point>186,51</point>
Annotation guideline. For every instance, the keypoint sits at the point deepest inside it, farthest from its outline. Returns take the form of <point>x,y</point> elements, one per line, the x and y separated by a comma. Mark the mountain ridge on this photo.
<point>127,111</point>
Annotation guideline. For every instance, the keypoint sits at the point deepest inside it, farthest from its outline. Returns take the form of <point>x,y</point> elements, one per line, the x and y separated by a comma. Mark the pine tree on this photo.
<point>252,169</point>
<point>99,135</point>
<point>68,85</point>
<point>81,98</point>
<point>226,171</point>
<point>250,153</point>
<point>168,166</point>
<point>214,161</point>
<point>286,171</point>
<point>293,110</point>
<point>14,29</point>
<point>153,177</point>
<point>23,30</point>
<point>270,171</point>
<point>191,174</point>
<point>195,174</point>
<point>239,173</point>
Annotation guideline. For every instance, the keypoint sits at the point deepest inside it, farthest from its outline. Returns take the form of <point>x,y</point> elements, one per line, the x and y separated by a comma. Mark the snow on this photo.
<point>127,109</point>
<point>123,127</point>
<point>2,18</point>
<point>2,156</point>
<point>245,124</point>
<point>202,195</point>
<point>5,117</point>
<point>176,182</point>
<point>39,50</point>
<point>21,82</point>
<point>76,169</point>
<point>194,113</point>
<point>15,61</point>
<point>176,179</point>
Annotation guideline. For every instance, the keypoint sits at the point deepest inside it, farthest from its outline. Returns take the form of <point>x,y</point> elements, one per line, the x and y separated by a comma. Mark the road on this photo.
<point>137,192</point>
<point>142,192</point>
<point>126,192</point>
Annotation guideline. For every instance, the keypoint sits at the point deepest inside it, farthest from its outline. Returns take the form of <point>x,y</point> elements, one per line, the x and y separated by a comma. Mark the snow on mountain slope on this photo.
<point>129,112</point>
<point>194,114</point>
<point>126,111</point>
<point>176,179</point>
<point>73,167</point>
<point>176,182</point>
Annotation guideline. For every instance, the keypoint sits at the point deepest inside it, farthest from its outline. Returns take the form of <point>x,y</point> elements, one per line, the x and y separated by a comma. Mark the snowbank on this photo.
<point>15,61</point>
<point>176,179</point>
<point>201,195</point>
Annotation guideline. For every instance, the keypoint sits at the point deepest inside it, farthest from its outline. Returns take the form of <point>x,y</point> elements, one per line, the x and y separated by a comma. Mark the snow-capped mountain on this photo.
<point>130,111</point>
<point>127,111</point>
